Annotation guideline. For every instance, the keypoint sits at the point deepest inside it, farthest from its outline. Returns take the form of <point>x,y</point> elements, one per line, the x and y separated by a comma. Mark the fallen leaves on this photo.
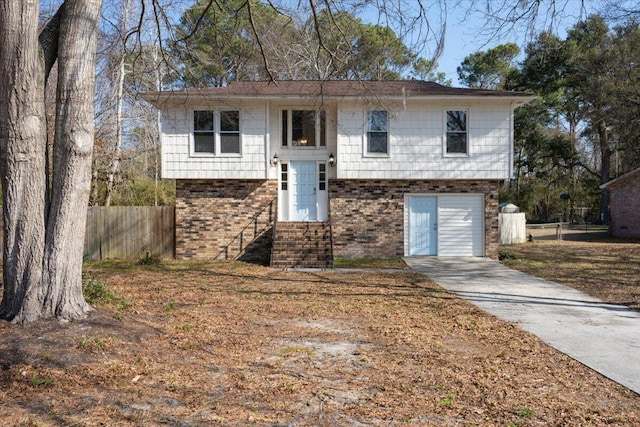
<point>237,344</point>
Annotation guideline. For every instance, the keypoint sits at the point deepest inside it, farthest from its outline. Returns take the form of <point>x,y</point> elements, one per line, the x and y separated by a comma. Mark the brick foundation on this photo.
<point>225,219</point>
<point>367,216</point>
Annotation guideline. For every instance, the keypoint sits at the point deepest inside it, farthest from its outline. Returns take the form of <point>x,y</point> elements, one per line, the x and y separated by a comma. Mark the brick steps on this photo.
<point>302,245</point>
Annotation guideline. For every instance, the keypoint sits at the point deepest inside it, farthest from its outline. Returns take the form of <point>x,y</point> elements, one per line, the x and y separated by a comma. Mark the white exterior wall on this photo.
<point>179,163</point>
<point>416,141</point>
<point>417,138</point>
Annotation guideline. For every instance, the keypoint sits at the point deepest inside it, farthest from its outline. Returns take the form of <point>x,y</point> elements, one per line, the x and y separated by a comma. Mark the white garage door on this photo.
<point>459,229</point>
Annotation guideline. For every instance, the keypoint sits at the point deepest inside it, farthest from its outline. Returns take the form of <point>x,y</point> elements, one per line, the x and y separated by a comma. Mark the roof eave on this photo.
<point>162,97</point>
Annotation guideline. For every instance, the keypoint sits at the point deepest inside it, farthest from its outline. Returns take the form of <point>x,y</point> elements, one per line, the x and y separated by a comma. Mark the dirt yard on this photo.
<point>202,344</point>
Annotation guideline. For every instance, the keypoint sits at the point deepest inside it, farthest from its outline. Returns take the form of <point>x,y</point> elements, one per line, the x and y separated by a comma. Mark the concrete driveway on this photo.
<point>602,336</point>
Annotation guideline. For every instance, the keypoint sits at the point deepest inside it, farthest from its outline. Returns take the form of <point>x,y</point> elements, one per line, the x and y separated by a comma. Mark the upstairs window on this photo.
<point>377,135</point>
<point>204,137</point>
<point>230,132</point>
<point>303,128</point>
<point>216,132</point>
<point>457,135</point>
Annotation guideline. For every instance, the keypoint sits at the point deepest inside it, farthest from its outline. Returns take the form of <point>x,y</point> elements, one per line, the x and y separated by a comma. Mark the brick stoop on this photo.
<point>302,245</point>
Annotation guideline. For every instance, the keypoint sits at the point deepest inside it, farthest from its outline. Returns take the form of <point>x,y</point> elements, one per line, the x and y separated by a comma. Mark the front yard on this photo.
<point>201,344</point>
<point>604,268</point>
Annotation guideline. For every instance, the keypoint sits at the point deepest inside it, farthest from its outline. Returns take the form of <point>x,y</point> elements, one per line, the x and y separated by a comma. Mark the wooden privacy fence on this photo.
<point>130,232</point>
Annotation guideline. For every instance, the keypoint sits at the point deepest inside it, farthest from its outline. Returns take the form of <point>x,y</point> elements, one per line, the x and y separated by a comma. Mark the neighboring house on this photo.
<point>624,205</point>
<point>340,168</point>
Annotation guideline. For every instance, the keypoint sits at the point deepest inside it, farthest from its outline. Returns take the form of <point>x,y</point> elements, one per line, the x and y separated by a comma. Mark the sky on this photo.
<point>463,38</point>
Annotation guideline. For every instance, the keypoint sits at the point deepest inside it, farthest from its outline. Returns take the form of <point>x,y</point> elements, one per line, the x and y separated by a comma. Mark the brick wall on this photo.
<point>225,219</point>
<point>367,216</point>
<point>625,208</point>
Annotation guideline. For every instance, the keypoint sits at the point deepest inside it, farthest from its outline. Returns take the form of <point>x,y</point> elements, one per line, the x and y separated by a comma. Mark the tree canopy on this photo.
<point>587,113</point>
<point>250,40</point>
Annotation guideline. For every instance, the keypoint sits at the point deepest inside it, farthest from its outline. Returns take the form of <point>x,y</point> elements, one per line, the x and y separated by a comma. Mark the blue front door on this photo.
<point>303,191</point>
<point>423,225</point>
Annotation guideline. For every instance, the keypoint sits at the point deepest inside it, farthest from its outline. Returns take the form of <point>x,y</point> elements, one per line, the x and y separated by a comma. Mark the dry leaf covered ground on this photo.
<point>201,344</point>
<point>604,268</point>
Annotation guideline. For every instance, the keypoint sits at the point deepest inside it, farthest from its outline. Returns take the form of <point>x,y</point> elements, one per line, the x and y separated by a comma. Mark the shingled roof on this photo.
<point>333,89</point>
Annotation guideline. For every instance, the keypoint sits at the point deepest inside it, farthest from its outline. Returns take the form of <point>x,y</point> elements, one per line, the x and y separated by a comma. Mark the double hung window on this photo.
<point>216,132</point>
<point>457,141</point>
<point>377,132</point>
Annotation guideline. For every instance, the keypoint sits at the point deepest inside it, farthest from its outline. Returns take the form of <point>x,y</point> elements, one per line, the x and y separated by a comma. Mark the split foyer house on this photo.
<point>300,172</point>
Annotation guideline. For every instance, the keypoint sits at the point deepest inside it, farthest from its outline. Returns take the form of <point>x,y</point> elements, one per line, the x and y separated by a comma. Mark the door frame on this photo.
<point>433,233</point>
<point>285,195</point>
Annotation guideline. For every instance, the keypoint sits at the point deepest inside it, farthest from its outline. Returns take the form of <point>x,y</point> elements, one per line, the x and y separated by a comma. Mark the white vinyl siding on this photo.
<point>179,161</point>
<point>415,141</point>
<point>416,149</point>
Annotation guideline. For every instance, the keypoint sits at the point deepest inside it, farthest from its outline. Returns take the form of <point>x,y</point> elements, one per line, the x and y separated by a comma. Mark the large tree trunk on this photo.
<point>22,144</point>
<point>44,238</point>
<point>73,148</point>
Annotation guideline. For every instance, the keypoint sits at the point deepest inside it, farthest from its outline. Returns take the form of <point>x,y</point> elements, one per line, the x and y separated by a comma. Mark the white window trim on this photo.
<point>365,139</point>
<point>466,109</point>
<point>216,133</point>
<point>289,130</point>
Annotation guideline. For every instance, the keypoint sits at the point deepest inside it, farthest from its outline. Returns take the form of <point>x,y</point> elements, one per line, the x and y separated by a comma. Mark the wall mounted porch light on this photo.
<point>274,160</point>
<point>332,160</point>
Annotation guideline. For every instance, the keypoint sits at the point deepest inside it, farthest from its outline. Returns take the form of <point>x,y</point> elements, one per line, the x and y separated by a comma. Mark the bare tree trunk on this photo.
<point>605,170</point>
<point>158,123</point>
<point>119,94</point>
<point>23,148</point>
<point>44,241</point>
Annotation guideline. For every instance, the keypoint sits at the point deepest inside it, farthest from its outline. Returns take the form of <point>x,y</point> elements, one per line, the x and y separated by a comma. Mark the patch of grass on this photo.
<point>169,307</point>
<point>502,255</point>
<point>523,412</point>
<point>40,381</point>
<point>296,351</point>
<point>395,263</point>
<point>94,344</point>
<point>185,327</point>
<point>447,401</point>
<point>96,292</point>
<point>149,260</point>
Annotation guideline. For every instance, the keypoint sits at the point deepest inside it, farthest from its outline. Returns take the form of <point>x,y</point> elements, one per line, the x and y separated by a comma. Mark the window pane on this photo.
<point>229,121</point>
<point>202,120</point>
<point>457,121</point>
<point>323,130</point>
<point>377,121</point>
<point>377,142</point>
<point>322,177</point>
<point>283,176</point>
<point>456,142</point>
<point>285,128</point>
<point>303,128</point>
<point>204,142</point>
<point>230,143</point>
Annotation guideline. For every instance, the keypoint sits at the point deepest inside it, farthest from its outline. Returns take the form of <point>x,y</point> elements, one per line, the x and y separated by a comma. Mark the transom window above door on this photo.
<point>303,128</point>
